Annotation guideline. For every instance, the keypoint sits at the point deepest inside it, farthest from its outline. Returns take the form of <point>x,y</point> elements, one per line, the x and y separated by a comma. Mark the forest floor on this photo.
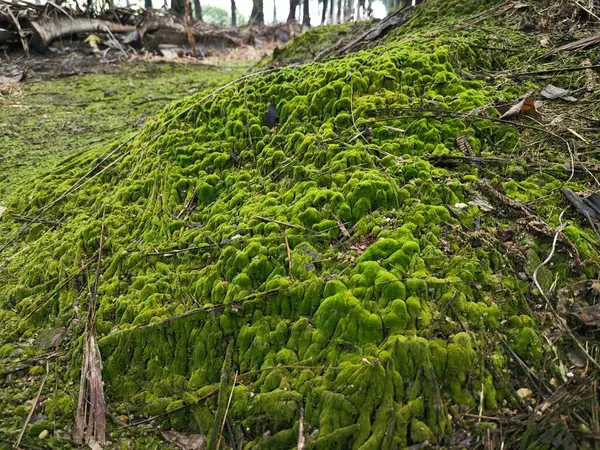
<point>47,119</point>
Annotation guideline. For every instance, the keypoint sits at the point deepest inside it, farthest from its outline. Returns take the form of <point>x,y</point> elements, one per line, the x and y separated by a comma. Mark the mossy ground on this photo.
<point>45,121</point>
<point>329,265</point>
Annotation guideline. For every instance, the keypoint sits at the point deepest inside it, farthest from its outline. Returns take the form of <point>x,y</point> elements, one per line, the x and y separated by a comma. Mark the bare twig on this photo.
<point>289,253</point>
<point>285,224</point>
<point>226,411</point>
<point>32,410</point>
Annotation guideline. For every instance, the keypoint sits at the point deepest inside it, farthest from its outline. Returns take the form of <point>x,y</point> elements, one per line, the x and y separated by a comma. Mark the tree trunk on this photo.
<point>292,15</point>
<point>187,18</point>
<point>339,11</point>
<point>347,11</point>
<point>148,4</point>
<point>324,12</point>
<point>331,9</point>
<point>258,16</point>
<point>274,12</point>
<point>306,17</point>
<point>198,10</point>
<point>178,7</point>
<point>233,18</point>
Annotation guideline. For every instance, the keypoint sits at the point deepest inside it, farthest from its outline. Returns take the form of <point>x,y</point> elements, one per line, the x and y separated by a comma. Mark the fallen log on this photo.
<point>45,30</point>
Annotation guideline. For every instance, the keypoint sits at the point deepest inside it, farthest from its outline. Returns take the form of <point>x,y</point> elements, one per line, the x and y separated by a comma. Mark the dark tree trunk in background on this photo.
<point>233,18</point>
<point>306,16</point>
<point>274,12</point>
<point>339,11</point>
<point>258,16</point>
<point>331,8</point>
<point>198,10</point>
<point>148,4</point>
<point>292,15</point>
<point>361,9</point>
<point>324,13</point>
<point>178,7</point>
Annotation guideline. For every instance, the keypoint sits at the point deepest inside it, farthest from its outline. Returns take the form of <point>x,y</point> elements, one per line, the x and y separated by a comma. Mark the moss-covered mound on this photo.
<point>330,265</point>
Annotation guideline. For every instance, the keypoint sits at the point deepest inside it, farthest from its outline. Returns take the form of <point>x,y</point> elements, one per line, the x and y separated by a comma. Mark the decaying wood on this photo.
<point>90,419</point>
<point>301,438</point>
<point>45,31</point>
<point>20,31</point>
<point>378,30</point>
<point>588,207</point>
<point>188,28</point>
<point>576,45</point>
<point>463,144</point>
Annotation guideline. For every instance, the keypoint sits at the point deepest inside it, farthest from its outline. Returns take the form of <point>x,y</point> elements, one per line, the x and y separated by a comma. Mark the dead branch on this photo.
<point>289,253</point>
<point>226,411</point>
<point>45,30</point>
<point>378,30</point>
<point>32,410</point>
<point>285,224</point>
<point>575,45</point>
<point>91,389</point>
<point>20,31</point>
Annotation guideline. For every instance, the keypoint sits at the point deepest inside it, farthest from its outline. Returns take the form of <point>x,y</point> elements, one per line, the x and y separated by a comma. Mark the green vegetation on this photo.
<point>46,121</point>
<point>383,338</point>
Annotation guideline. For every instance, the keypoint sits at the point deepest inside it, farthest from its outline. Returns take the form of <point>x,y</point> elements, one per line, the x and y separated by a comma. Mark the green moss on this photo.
<point>318,261</point>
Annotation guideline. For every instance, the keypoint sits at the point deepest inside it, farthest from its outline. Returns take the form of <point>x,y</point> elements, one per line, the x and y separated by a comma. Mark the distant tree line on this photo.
<point>332,11</point>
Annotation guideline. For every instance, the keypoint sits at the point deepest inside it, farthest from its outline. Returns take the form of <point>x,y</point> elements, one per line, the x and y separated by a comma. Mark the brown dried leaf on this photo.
<point>525,107</point>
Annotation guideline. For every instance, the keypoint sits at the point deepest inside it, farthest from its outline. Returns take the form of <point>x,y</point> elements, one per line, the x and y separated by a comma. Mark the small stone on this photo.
<point>43,434</point>
<point>524,392</point>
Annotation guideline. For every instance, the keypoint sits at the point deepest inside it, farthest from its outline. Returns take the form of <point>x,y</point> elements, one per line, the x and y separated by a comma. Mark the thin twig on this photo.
<point>32,410</point>
<point>226,411</point>
<point>551,71</point>
<point>179,408</point>
<point>285,224</point>
<point>289,253</point>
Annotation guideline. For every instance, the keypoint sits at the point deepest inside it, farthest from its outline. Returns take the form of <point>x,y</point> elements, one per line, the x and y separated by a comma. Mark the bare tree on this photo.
<point>331,8</point>
<point>198,10</point>
<point>347,10</point>
<point>258,16</point>
<point>306,16</point>
<point>339,11</point>
<point>292,15</point>
<point>233,18</point>
<point>324,12</point>
<point>178,7</point>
